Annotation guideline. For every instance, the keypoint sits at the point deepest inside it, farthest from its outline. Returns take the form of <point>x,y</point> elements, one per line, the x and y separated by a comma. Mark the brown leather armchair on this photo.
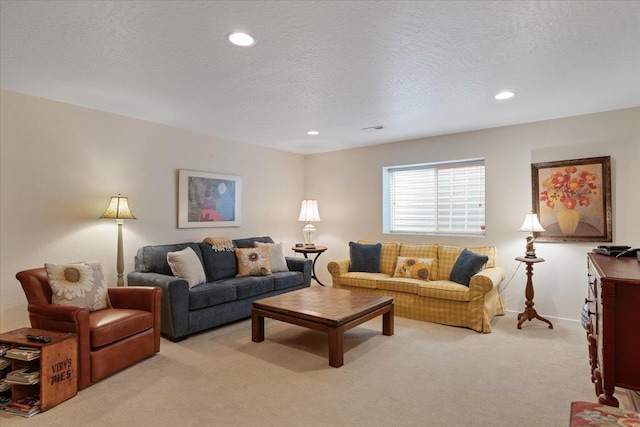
<point>109,340</point>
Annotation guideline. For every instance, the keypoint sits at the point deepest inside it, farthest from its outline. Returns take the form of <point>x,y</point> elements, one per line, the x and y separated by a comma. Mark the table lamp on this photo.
<point>308,214</point>
<point>118,209</point>
<point>531,225</point>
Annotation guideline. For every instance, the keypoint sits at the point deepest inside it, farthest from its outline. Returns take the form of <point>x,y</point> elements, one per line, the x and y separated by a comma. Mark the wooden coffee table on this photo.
<point>329,310</point>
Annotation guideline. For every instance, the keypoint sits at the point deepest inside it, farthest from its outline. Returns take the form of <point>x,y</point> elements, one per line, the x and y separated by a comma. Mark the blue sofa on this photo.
<point>223,298</point>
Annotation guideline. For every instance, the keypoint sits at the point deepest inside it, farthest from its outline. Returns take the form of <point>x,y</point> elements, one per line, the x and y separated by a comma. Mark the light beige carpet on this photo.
<point>423,375</point>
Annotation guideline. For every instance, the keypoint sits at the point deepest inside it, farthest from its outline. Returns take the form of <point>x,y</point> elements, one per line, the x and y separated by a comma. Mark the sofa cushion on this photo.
<point>276,256</point>
<point>79,285</point>
<point>250,286</point>
<point>467,264</point>
<point>388,256</point>
<point>186,265</point>
<point>218,265</point>
<point>444,289</point>
<point>209,294</point>
<point>153,259</point>
<point>364,257</point>
<point>287,279</point>
<point>253,261</point>
<point>362,280</point>
<point>414,268</point>
<point>399,284</point>
<point>108,326</point>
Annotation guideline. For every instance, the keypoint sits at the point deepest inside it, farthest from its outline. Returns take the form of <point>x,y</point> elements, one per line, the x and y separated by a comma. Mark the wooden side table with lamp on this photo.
<point>530,225</point>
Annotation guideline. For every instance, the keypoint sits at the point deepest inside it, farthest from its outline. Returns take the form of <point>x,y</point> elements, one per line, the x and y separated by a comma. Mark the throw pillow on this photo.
<point>415,268</point>
<point>364,257</point>
<point>186,265</point>
<point>80,285</point>
<point>467,264</point>
<point>253,261</point>
<point>276,256</point>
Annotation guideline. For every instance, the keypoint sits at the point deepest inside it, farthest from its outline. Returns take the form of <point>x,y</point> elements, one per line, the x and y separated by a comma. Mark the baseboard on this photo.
<point>561,319</point>
<point>634,399</point>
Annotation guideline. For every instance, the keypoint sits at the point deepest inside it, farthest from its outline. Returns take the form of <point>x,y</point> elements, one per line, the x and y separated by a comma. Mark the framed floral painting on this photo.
<point>573,200</point>
<point>208,199</point>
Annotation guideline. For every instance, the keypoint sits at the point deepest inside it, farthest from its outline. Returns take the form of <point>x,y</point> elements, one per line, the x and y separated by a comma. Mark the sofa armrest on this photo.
<point>174,301</point>
<point>338,268</point>
<point>486,280</point>
<point>303,265</point>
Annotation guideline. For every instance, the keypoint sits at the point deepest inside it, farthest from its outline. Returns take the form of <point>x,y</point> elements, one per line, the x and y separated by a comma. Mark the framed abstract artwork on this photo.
<point>208,199</point>
<point>573,200</point>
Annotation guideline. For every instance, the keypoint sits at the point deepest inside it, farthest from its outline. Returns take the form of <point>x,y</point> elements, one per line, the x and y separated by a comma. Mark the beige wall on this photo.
<point>61,163</point>
<point>347,185</point>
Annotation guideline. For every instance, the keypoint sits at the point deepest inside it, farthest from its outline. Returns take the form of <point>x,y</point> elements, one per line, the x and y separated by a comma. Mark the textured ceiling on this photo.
<point>419,68</point>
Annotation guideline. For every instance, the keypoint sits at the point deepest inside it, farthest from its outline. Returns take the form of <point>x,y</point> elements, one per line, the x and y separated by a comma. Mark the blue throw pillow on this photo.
<point>467,264</point>
<point>364,257</point>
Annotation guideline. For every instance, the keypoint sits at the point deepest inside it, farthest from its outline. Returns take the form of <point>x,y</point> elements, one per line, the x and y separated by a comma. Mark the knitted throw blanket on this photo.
<point>220,244</point>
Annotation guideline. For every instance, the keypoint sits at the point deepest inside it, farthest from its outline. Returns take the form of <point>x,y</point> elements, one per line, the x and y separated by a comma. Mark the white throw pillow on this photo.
<point>186,265</point>
<point>79,284</point>
<point>276,256</point>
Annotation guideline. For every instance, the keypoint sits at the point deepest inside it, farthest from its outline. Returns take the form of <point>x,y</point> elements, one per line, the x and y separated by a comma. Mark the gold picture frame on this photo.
<point>573,200</point>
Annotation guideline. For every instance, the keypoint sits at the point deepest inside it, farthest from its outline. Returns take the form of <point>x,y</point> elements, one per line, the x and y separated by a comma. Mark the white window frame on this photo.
<point>432,212</point>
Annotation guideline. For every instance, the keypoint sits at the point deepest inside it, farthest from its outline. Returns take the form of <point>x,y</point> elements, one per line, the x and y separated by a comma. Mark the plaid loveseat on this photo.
<point>437,300</point>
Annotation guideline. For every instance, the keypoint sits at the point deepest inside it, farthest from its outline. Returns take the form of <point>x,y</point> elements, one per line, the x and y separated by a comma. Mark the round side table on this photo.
<point>304,250</point>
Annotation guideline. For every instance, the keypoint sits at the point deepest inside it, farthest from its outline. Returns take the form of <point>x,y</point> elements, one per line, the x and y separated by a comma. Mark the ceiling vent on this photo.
<point>372,128</point>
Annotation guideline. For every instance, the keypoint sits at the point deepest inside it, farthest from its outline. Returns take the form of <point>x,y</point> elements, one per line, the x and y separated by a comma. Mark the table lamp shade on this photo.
<point>531,224</point>
<point>309,211</point>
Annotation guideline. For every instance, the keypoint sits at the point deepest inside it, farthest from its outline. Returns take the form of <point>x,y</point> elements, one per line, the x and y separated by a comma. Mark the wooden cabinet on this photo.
<point>58,366</point>
<point>613,330</point>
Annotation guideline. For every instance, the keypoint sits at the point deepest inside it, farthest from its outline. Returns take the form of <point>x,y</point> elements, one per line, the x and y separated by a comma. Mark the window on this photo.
<point>434,198</point>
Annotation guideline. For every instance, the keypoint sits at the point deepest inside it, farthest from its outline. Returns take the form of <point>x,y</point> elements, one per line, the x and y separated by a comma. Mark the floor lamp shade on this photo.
<point>119,210</point>
<point>308,214</point>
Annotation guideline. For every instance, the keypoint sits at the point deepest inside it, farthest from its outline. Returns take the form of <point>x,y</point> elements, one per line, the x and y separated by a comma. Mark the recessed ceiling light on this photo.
<point>504,95</point>
<point>313,132</point>
<point>241,39</point>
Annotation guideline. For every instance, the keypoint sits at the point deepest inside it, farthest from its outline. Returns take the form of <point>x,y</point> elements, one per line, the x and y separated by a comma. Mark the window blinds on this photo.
<point>437,198</point>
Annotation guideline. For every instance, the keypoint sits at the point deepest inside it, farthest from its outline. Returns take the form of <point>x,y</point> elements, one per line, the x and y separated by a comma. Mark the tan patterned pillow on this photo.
<point>415,268</point>
<point>80,285</point>
<point>253,261</point>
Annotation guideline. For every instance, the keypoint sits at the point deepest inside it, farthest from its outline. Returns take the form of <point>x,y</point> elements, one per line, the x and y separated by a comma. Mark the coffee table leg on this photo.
<point>336,348</point>
<point>257,327</point>
<point>387,322</point>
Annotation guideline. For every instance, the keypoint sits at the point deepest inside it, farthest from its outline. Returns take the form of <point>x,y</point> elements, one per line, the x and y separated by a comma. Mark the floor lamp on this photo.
<point>118,209</point>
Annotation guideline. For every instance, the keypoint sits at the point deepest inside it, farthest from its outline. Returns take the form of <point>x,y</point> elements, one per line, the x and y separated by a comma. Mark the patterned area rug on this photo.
<point>594,414</point>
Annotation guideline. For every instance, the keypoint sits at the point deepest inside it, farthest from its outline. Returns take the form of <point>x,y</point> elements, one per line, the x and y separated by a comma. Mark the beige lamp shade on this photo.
<point>531,224</point>
<point>118,208</point>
